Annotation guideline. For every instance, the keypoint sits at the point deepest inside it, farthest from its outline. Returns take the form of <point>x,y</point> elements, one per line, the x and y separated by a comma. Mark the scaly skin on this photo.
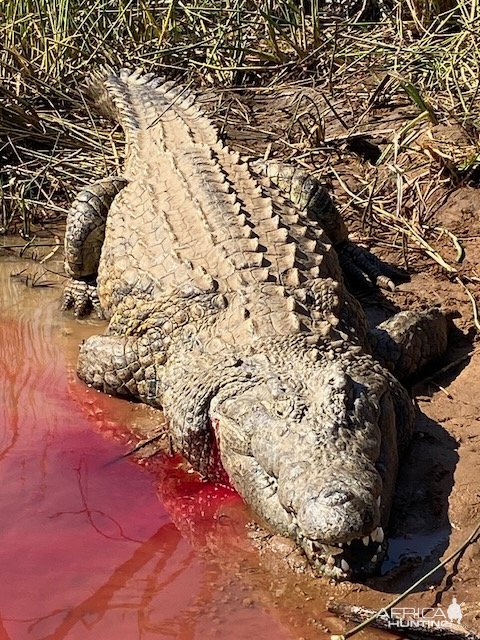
<point>228,309</point>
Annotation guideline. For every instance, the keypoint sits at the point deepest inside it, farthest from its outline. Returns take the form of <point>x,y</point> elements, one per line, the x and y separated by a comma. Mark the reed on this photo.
<point>430,49</point>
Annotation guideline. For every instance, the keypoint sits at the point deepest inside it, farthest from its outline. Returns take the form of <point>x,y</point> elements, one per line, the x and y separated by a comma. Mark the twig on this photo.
<point>447,367</point>
<point>476,319</point>
<point>178,97</point>
<point>137,447</point>
<point>406,229</point>
<point>456,242</point>
<point>52,252</point>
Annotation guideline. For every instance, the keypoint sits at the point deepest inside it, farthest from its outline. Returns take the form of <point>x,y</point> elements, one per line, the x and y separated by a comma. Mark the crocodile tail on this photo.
<point>122,96</point>
<point>107,91</point>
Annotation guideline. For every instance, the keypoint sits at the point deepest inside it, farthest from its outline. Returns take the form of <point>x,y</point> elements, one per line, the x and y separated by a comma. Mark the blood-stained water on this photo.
<point>96,545</point>
<point>88,548</point>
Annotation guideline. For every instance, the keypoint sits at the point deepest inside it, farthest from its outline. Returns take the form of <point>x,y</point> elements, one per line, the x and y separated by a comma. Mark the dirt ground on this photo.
<point>438,492</point>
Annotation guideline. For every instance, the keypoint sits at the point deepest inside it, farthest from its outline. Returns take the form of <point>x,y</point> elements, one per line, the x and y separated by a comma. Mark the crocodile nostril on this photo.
<point>334,497</point>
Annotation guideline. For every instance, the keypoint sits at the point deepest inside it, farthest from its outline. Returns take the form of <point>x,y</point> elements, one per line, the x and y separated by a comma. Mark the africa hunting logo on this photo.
<point>426,617</point>
<point>454,612</point>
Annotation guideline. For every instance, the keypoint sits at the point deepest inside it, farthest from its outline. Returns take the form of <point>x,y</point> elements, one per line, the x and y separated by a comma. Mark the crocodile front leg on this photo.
<point>84,236</point>
<point>128,366</point>
<point>260,490</point>
<point>407,341</point>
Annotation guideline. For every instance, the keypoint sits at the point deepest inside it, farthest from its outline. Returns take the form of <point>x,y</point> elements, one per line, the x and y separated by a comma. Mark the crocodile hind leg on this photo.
<point>129,359</point>
<point>360,267</point>
<point>84,237</point>
<point>407,341</point>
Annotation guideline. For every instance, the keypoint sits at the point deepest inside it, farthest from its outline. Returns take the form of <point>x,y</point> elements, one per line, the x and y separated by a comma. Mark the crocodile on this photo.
<point>228,309</point>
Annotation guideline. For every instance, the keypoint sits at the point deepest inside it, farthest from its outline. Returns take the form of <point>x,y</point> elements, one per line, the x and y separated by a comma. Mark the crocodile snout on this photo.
<point>303,455</point>
<point>332,501</point>
<point>337,516</point>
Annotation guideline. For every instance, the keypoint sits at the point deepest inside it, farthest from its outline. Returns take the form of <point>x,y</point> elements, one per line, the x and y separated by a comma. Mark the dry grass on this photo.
<point>48,139</point>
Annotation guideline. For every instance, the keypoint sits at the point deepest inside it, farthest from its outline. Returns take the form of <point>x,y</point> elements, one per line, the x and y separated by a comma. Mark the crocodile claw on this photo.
<point>82,298</point>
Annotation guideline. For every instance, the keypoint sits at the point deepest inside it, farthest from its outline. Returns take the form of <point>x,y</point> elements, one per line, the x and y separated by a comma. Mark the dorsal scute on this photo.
<point>213,219</point>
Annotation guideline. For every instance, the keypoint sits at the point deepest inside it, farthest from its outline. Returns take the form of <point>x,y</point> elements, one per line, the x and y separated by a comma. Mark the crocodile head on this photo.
<point>311,445</point>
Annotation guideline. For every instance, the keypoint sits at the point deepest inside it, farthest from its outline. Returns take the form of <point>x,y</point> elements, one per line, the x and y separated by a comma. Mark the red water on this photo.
<point>96,547</point>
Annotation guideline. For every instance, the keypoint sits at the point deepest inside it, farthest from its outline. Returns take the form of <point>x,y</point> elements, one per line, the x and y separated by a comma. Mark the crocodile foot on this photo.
<point>82,297</point>
<point>363,269</point>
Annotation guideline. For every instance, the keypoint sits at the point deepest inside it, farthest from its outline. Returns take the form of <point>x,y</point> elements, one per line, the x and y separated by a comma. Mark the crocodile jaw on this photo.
<point>356,558</point>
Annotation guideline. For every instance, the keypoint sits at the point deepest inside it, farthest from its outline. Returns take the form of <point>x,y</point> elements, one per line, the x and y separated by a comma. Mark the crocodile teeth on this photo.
<point>349,543</point>
<point>374,558</point>
<point>344,566</point>
<point>366,540</point>
<point>378,535</point>
<point>331,561</point>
